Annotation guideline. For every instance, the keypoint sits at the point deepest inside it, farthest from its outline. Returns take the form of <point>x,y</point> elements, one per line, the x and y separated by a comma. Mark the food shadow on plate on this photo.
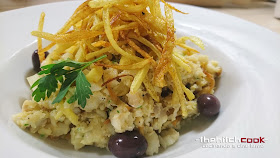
<point>28,73</point>
<point>67,148</point>
<point>62,147</point>
<point>20,102</point>
<point>199,124</point>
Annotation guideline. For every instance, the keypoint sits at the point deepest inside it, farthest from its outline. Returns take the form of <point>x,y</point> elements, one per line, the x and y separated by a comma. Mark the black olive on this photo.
<point>165,92</point>
<point>188,85</point>
<point>36,61</point>
<point>208,105</point>
<point>129,144</point>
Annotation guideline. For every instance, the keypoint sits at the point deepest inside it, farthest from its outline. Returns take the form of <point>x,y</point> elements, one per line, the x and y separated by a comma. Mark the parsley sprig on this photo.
<point>57,72</point>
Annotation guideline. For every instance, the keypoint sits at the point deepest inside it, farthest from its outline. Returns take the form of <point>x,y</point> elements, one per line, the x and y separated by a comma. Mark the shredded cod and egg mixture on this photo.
<point>117,66</point>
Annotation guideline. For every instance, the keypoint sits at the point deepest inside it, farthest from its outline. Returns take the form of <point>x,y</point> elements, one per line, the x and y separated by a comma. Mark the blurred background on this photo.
<point>261,12</point>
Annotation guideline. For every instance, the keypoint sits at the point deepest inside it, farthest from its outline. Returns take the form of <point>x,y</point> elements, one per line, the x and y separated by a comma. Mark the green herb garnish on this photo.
<point>118,111</point>
<point>26,124</point>
<point>57,73</point>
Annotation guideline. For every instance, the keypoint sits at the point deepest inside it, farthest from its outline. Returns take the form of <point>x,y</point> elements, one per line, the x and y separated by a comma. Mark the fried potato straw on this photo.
<point>136,33</point>
<point>41,54</point>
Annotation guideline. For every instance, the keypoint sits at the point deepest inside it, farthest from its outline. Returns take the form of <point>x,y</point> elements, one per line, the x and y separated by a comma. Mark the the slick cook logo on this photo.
<point>232,142</point>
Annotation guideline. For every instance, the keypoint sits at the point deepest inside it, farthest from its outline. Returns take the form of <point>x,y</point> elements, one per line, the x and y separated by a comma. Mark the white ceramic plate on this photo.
<point>248,89</point>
